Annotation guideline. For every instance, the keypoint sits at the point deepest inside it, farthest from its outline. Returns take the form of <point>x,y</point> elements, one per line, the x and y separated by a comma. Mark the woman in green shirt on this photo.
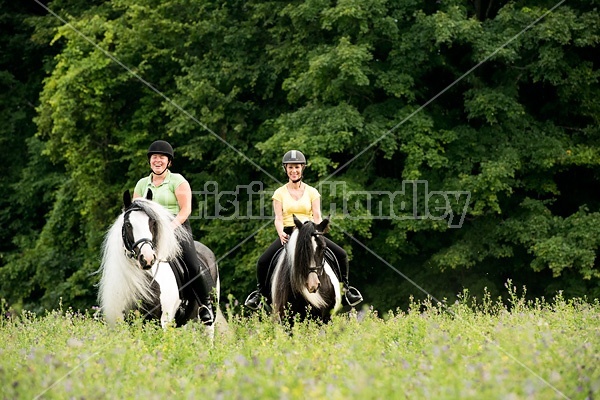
<point>173,192</point>
<point>304,201</point>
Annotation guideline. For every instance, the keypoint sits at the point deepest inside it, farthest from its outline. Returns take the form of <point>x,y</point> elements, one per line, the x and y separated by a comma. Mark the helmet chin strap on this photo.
<point>164,170</point>
<point>296,180</point>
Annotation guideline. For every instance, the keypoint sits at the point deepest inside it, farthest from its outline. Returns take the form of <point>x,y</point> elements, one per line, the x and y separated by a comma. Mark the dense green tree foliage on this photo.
<point>473,125</point>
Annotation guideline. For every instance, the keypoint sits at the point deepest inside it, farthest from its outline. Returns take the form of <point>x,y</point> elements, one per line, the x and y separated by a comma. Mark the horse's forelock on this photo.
<point>147,207</point>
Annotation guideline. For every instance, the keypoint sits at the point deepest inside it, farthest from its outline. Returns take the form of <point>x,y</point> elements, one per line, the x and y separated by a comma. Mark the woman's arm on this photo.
<point>316,210</point>
<point>138,189</point>
<point>278,209</point>
<point>183,193</point>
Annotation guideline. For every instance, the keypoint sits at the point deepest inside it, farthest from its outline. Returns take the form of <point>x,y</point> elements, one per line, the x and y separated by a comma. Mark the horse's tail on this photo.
<point>121,284</point>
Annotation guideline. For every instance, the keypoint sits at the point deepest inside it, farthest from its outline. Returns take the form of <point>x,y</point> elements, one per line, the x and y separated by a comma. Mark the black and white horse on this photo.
<point>303,282</point>
<point>139,270</point>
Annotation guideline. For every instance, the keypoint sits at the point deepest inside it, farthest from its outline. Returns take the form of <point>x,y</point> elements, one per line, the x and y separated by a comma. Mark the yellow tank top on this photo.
<point>302,207</point>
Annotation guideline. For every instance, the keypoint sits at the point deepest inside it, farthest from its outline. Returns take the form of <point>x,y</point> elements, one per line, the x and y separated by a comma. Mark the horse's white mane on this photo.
<point>122,282</point>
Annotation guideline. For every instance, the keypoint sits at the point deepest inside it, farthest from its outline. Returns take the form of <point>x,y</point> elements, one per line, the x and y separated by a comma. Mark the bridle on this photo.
<point>133,250</point>
<point>319,269</point>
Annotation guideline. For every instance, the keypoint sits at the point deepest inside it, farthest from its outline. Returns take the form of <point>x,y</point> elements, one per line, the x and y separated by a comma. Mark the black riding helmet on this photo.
<point>161,147</point>
<point>293,157</point>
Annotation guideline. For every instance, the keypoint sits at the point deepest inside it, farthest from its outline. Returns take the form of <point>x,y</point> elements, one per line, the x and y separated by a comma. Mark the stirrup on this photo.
<point>353,296</point>
<point>253,300</point>
<point>205,315</point>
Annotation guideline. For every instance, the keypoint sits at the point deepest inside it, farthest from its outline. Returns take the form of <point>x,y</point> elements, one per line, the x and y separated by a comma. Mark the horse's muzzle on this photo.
<point>146,256</point>
<point>312,282</point>
<point>145,264</point>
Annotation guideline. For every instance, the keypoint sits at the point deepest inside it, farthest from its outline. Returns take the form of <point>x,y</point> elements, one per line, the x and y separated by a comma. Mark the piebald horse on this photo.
<point>139,269</point>
<point>303,282</point>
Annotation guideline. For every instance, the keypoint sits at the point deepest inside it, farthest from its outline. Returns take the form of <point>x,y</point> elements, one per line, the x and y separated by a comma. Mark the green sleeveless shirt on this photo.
<point>163,194</point>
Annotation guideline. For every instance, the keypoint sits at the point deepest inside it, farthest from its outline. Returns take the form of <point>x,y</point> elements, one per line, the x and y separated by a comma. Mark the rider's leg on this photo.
<point>352,295</point>
<point>200,279</point>
<point>262,272</point>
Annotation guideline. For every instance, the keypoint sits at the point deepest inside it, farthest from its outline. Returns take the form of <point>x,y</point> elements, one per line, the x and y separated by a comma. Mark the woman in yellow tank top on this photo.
<point>304,201</point>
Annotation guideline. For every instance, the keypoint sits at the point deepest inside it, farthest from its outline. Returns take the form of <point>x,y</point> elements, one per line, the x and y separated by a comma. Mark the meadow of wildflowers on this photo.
<point>472,349</point>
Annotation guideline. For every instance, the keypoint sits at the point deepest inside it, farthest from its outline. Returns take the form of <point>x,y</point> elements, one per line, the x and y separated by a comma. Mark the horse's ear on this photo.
<point>149,194</point>
<point>297,222</point>
<point>126,199</point>
<point>323,227</point>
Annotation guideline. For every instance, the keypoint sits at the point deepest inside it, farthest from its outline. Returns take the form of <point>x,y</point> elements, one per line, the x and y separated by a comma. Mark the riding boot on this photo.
<point>202,291</point>
<point>254,299</point>
<point>199,280</point>
<point>263,266</point>
<point>351,294</point>
<point>201,284</point>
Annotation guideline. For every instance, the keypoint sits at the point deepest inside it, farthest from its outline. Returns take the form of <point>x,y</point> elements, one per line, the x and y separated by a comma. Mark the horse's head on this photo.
<point>139,232</point>
<point>309,258</point>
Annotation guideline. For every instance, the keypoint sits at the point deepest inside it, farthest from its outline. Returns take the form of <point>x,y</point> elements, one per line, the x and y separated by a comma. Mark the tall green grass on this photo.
<point>482,349</point>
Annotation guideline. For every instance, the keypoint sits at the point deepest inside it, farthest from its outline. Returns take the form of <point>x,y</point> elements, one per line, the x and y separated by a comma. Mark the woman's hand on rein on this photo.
<point>175,224</point>
<point>283,237</point>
